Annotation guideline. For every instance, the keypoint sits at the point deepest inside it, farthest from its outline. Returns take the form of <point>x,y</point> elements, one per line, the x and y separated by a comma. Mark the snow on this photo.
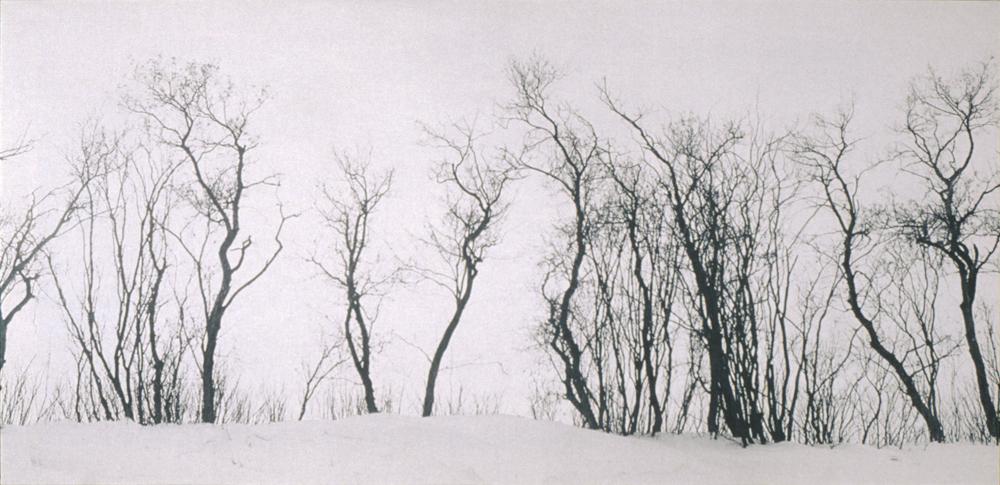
<point>389,449</point>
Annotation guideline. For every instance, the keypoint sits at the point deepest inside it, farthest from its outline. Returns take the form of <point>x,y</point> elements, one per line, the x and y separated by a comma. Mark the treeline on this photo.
<point>712,276</point>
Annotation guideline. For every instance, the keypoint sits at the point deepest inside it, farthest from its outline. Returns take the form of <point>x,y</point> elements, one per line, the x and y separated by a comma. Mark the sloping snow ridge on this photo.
<point>385,449</point>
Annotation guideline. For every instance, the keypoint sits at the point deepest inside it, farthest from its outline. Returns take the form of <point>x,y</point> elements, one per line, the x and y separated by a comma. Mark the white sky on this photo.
<point>362,74</point>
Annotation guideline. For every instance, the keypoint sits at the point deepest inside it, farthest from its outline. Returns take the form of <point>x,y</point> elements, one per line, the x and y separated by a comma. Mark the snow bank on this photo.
<point>451,450</point>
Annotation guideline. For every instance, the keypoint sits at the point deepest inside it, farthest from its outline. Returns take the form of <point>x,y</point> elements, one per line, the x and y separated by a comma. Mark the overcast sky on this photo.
<point>357,75</point>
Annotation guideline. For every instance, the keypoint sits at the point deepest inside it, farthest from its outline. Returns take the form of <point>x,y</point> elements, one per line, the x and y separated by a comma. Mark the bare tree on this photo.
<point>825,413</point>
<point>654,274</point>
<point>954,217</point>
<point>347,215</point>
<point>318,373</point>
<point>693,151</point>
<point>569,155</point>
<point>825,156</point>
<point>476,205</point>
<point>120,330</point>
<point>726,195</point>
<point>624,312</point>
<point>197,113</point>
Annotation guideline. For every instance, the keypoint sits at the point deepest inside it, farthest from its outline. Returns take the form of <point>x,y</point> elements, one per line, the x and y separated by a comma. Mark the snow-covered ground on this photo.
<point>452,450</point>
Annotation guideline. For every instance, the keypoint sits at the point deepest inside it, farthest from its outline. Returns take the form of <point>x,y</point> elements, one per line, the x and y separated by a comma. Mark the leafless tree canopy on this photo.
<point>703,274</point>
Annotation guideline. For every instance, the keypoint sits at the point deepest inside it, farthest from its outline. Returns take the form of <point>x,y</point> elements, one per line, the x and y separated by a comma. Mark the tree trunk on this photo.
<point>3,342</point>
<point>208,372</point>
<point>460,304</point>
<point>982,380</point>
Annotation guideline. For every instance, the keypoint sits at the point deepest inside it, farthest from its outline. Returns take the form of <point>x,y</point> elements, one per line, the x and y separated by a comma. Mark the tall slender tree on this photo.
<point>347,214</point>
<point>562,147</point>
<point>199,114</point>
<point>477,204</point>
<point>957,215</point>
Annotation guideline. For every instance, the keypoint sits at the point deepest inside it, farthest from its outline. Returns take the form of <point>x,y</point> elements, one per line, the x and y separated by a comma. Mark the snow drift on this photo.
<point>385,449</point>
